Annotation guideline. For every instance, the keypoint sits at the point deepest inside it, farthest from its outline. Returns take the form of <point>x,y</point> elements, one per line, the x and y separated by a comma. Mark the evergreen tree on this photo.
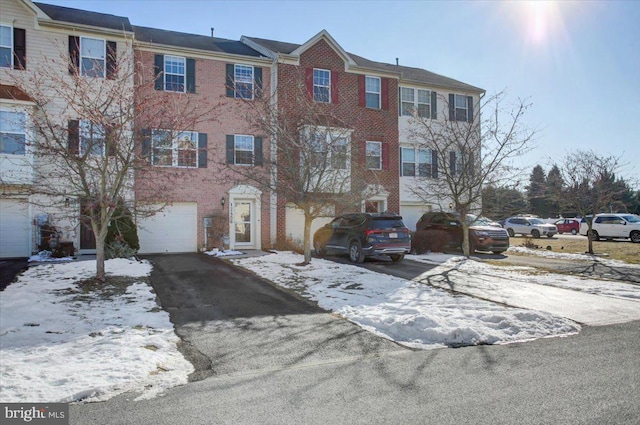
<point>537,192</point>
<point>555,191</point>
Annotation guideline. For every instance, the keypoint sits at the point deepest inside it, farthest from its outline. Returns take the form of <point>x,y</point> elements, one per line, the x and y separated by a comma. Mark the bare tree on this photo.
<point>469,153</point>
<point>87,126</point>
<point>589,184</point>
<point>311,161</point>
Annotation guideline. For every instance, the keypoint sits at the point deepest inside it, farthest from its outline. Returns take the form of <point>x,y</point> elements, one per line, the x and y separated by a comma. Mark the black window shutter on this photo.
<point>110,136</point>
<point>257,151</point>
<point>434,163</point>
<point>74,137</point>
<point>20,48</point>
<point>112,57</point>
<point>146,143</point>
<point>158,71</point>
<point>257,76</point>
<point>202,150</point>
<point>470,109</point>
<point>231,142</point>
<point>452,107</point>
<point>191,75</point>
<point>74,54</point>
<point>229,80</point>
<point>434,105</point>
<point>452,162</point>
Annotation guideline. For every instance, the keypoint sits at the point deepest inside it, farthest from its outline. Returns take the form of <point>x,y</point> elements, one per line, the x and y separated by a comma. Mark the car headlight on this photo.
<point>482,233</point>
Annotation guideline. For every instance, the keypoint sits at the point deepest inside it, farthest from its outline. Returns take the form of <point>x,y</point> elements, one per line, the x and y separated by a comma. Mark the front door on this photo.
<point>243,223</point>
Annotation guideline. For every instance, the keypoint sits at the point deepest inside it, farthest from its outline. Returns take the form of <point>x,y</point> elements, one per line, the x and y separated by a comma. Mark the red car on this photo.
<point>568,225</point>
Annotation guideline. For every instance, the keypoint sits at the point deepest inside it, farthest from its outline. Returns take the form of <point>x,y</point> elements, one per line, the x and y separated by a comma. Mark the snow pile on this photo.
<point>409,312</point>
<point>45,257</point>
<point>60,343</point>
<point>215,252</point>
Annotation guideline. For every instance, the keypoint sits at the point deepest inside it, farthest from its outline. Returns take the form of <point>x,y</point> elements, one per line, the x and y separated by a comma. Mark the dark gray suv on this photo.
<point>364,234</point>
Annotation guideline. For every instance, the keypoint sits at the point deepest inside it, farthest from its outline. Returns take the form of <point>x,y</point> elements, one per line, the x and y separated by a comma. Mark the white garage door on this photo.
<point>14,229</point>
<point>295,224</point>
<point>411,214</point>
<point>175,229</point>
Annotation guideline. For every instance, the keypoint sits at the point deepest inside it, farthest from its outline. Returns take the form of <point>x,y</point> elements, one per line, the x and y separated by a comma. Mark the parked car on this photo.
<point>482,237</point>
<point>364,234</point>
<point>609,226</point>
<point>568,225</point>
<point>529,226</point>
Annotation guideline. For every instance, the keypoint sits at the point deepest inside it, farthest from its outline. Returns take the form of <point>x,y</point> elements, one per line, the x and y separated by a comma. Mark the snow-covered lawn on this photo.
<point>60,343</point>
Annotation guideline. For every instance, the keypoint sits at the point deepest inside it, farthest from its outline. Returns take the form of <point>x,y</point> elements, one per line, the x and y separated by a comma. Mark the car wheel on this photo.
<point>574,232</point>
<point>593,235</point>
<point>635,236</point>
<point>355,252</point>
<point>559,233</point>
<point>535,233</point>
<point>320,250</point>
<point>396,258</point>
<point>511,232</point>
<point>550,235</point>
<point>472,248</point>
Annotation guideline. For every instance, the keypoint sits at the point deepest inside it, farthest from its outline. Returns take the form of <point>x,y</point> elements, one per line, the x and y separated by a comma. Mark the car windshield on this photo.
<point>631,218</point>
<point>536,221</point>
<point>386,222</point>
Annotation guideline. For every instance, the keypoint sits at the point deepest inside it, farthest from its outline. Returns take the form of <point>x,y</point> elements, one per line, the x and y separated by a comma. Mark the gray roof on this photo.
<point>84,17</point>
<point>417,75</point>
<point>192,41</point>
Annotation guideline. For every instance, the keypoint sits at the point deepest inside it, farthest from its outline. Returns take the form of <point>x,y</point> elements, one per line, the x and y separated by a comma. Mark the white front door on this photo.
<point>244,223</point>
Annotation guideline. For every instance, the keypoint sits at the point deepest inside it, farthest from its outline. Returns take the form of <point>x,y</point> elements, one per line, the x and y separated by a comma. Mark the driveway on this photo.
<point>231,321</point>
<point>9,268</point>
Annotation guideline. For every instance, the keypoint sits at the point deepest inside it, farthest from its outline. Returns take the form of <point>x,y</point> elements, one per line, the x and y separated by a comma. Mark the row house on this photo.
<point>209,204</point>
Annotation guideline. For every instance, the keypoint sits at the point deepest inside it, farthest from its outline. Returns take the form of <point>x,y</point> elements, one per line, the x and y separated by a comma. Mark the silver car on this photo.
<point>529,226</point>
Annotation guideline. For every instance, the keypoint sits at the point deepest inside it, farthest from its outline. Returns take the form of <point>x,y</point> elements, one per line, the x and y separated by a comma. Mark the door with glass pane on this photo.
<point>243,223</point>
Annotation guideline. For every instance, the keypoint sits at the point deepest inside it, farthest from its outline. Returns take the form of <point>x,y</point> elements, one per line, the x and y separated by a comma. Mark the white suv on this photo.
<point>609,226</point>
<point>529,226</point>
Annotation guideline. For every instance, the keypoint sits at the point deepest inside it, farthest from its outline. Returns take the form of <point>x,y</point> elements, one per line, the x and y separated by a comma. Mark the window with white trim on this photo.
<point>6,46</point>
<point>175,72</point>
<point>93,54</point>
<point>329,150</point>
<point>461,107</point>
<point>412,99</point>
<point>374,155</point>
<point>243,149</point>
<point>415,162</point>
<point>92,138</point>
<point>13,132</point>
<point>321,85</point>
<point>373,92</point>
<point>243,81</point>
<point>174,149</point>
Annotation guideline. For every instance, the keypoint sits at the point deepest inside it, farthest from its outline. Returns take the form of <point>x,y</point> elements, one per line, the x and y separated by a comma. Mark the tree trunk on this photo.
<point>307,237</point>
<point>101,235</point>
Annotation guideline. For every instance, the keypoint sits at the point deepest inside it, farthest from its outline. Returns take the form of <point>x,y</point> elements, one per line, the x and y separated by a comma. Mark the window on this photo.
<point>321,85</point>
<point>92,138</point>
<point>6,46</point>
<point>416,162</point>
<point>455,163</point>
<point>329,150</point>
<point>243,148</point>
<point>174,73</point>
<point>12,132</point>
<point>461,107</point>
<point>172,149</point>
<point>92,57</point>
<point>418,100</point>
<point>372,90</point>
<point>243,81</point>
<point>374,155</point>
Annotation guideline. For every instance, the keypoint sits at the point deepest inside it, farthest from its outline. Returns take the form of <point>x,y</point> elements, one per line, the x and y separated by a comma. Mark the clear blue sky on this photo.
<point>577,62</point>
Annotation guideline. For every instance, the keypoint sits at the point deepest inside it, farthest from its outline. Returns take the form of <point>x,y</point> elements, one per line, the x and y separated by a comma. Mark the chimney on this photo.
<point>397,62</point>
<point>212,31</point>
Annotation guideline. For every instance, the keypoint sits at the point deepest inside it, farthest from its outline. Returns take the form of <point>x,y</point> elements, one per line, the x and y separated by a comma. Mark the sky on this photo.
<point>576,62</point>
<point>61,343</point>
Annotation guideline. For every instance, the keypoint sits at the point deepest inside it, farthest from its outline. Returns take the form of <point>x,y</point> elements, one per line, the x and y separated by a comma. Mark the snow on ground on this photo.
<point>215,252</point>
<point>587,301</point>
<point>409,312</point>
<point>59,343</point>
<point>568,256</point>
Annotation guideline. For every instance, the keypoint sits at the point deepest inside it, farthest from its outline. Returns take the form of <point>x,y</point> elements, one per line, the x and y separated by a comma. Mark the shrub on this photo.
<point>118,249</point>
<point>122,236</point>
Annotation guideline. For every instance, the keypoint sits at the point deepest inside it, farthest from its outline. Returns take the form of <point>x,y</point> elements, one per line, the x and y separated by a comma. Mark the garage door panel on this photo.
<point>14,229</point>
<point>411,214</point>
<point>175,229</point>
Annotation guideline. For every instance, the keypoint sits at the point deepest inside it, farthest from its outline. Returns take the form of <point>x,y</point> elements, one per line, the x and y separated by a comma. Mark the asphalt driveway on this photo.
<point>233,322</point>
